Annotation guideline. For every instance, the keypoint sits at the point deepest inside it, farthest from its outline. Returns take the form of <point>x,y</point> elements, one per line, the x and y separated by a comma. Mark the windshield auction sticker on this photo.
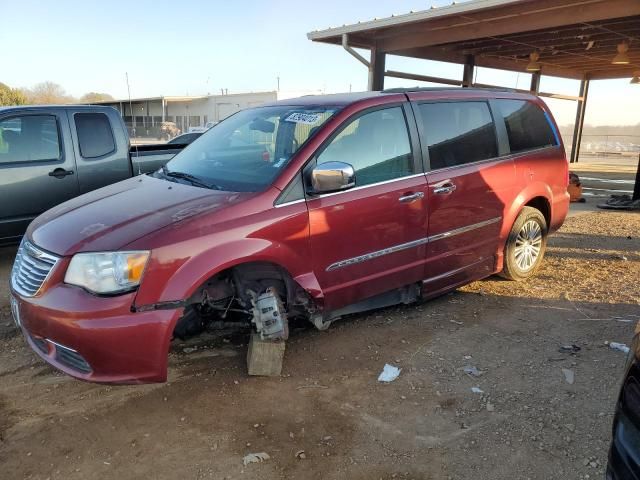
<point>306,118</point>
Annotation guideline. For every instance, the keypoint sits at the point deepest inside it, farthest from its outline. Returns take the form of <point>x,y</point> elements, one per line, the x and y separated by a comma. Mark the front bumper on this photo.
<point>97,339</point>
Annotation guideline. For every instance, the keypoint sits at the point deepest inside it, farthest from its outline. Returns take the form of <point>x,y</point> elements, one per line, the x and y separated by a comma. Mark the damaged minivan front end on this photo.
<point>103,283</point>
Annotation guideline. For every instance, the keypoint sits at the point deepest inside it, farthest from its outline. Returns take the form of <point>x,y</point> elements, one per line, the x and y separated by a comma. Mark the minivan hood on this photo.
<point>116,215</point>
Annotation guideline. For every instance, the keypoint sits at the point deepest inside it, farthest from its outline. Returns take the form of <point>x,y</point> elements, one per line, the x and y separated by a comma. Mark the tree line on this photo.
<point>45,93</point>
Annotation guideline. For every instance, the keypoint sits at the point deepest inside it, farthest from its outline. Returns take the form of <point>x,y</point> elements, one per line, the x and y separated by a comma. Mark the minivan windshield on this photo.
<point>246,152</point>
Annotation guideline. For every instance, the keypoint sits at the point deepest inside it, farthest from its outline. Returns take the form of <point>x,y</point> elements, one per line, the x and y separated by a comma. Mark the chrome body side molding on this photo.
<point>376,254</point>
<point>465,229</point>
<point>415,243</point>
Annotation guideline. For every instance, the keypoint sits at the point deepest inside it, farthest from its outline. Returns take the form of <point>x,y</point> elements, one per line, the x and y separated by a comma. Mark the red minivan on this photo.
<point>312,208</point>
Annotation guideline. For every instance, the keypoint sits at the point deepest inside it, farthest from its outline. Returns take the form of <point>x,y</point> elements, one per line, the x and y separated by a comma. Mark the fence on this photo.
<point>605,146</point>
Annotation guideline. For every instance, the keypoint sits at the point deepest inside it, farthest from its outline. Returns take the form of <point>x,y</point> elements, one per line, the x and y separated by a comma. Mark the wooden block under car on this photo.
<point>265,357</point>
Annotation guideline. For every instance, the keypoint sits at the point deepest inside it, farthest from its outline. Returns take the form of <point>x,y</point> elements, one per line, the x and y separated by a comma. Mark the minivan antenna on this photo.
<point>126,74</point>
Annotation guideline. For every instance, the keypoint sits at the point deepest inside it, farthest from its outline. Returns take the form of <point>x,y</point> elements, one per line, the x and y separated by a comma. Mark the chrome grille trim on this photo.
<point>41,343</point>
<point>70,358</point>
<point>31,268</point>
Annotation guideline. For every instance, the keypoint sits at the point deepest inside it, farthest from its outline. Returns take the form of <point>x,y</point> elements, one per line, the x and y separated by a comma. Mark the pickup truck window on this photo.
<point>376,145</point>
<point>458,133</point>
<point>528,127</point>
<point>29,138</point>
<point>246,151</point>
<point>94,134</point>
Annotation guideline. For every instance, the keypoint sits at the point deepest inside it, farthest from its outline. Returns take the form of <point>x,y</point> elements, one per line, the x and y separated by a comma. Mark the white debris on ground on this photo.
<point>471,370</point>
<point>476,390</point>
<point>255,458</point>
<point>389,373</point>
<point>569,375</point>
<point>619,346</point>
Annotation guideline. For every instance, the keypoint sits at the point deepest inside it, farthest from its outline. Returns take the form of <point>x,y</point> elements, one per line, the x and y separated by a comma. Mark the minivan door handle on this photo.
<point>60,173</point>
<point>410,197</point>
<point>444,189</point>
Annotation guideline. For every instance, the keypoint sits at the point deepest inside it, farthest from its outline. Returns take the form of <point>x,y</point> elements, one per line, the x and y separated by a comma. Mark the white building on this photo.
<point>146,114</point>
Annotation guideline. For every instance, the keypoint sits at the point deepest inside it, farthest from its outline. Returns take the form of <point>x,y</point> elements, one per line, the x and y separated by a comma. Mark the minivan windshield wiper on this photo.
<point>195,181</point>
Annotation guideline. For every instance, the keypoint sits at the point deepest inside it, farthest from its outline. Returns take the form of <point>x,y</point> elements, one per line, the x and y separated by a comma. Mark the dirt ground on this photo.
<point>529,423</point>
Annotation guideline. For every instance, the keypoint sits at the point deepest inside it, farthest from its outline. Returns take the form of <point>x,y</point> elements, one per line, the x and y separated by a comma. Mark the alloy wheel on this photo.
<point>528,245</point>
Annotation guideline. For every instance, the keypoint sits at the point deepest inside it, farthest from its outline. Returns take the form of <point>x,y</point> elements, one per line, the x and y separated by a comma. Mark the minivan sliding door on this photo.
<point>470,186</point>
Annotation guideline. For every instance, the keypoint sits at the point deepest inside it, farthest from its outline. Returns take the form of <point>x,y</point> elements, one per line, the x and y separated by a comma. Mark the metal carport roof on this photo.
<point>576,39</point>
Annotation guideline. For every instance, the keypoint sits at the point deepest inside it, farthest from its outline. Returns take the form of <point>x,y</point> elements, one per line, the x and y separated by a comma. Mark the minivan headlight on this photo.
<point>107,272</point>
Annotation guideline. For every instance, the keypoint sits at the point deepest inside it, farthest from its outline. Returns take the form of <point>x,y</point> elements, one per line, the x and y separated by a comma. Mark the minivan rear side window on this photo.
<point>458,133</point>
<point>376,144</point>
<point>95,136</point>
<point>528,127</point>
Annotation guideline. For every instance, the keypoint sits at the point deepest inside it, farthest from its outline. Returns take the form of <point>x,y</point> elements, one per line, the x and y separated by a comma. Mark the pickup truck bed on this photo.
<point>50,154</point>
<point>149,158</point>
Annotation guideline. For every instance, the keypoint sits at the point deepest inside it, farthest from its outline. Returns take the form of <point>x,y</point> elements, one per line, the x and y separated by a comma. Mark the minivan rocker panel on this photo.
<point>403,207</point>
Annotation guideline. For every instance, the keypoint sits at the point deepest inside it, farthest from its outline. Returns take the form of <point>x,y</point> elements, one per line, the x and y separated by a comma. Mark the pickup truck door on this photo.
<point>37,167</point>
<point>102,147</point>
<point>372,238</point>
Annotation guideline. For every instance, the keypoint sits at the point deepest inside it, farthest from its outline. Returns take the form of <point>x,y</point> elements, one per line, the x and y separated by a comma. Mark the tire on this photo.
<point>525,246</point>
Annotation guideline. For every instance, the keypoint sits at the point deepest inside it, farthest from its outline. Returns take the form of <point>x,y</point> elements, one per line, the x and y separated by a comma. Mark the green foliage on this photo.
<point>11,96</point>
<point>46,93</point>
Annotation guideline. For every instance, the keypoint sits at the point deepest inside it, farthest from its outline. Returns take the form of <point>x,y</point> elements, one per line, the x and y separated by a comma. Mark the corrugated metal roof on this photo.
<point>411,17</point>
<point>572,38</point>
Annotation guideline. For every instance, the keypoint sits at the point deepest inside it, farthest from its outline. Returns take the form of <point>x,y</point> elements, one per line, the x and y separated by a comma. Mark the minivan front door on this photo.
<point>469,186</point>
<point>372,238</point>
<point>35,171</point>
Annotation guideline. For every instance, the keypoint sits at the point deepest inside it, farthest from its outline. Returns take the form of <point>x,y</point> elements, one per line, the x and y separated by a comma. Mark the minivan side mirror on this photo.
<point>332,177</point>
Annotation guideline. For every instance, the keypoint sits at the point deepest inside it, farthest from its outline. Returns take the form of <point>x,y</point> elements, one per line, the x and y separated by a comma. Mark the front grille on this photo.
<point>71,359</point>
<point>31,268</point>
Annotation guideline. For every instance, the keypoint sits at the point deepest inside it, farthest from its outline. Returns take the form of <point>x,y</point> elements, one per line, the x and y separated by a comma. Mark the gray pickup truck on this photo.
<point>50,154</point>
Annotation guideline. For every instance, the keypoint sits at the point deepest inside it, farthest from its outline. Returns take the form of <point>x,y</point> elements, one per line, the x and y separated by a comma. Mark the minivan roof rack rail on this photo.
<point>437,89</point>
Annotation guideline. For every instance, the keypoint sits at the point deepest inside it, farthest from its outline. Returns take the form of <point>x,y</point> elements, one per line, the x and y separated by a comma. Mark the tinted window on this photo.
<point>376,145</point>
<point>527,125</point>
<point>29,138</point>
<point>458,133</point>
<point>94,134</point>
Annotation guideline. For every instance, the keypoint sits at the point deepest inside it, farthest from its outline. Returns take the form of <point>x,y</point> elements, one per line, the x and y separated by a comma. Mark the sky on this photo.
<point>194,47</point>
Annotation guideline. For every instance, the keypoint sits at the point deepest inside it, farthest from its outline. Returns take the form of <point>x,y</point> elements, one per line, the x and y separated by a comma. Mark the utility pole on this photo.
<point>278,78</point>
<point>636,187</point>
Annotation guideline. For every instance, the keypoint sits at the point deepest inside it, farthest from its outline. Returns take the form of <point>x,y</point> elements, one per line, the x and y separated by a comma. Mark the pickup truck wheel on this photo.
<point>525,246</point>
